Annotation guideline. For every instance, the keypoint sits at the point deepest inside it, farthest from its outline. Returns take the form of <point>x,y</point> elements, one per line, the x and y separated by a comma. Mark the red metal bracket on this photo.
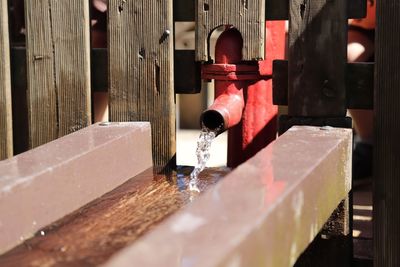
<point>231,72</point>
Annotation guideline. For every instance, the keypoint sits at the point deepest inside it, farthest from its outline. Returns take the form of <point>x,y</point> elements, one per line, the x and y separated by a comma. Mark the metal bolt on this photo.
<point>326,128</point>
<point>164,36</point>
<point>327,90</point>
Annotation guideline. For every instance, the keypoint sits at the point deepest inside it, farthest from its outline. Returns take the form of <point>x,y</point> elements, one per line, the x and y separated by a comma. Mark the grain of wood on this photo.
<point>247,16</point>
<point>386,195</point>
<point>141,69</point>
<point>6,145</point>
<point>71,37</point>
<point>98,230</point>
<point>58,67</point>
<point>317,58</point>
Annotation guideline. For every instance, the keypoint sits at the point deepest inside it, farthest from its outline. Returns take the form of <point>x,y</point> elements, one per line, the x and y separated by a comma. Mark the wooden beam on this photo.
<point>184,10</point>
<point>359,84</point>
<point>141,69</point>
<point>247,16</point>
<point>317,58</point>
<point>386,195</point>
<point>279,10</point>
<point>264,213</point>
<point>44,184</point>
<point>58,67</point>
<point>6,144</point>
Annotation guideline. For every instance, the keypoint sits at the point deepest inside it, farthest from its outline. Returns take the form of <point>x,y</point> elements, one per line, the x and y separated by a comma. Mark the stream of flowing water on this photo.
<point>203,154</point>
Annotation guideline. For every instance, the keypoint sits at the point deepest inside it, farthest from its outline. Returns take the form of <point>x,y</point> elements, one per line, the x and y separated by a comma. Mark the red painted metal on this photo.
<point>229,101</point>
<point>230,72</point>
<point>243,93</point>
<point>260,115</point>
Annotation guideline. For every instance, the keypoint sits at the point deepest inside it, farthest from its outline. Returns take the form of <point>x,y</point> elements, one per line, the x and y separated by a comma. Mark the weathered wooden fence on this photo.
<point>58,71</point>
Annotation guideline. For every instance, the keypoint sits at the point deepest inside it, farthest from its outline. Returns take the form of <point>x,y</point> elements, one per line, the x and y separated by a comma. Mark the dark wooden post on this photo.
<point>317,96</point>
<point>317,58</point>
<point>316,88</point>
<point>386,211</point>
<point>6,149</point>
<point>141,69</point>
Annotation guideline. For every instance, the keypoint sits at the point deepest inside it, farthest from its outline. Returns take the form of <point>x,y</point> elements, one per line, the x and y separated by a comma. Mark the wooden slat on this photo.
<point>359,84</point>
<point>71,36</point>
<point>317,58</point>
<point>247,16</point>
<point>141,69</point>
<point>386,210</point>
<point>58,67</point>
<point>6,149</point>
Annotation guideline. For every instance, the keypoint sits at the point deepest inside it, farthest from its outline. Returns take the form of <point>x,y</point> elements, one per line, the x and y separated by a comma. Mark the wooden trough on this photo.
<point>264,213</point>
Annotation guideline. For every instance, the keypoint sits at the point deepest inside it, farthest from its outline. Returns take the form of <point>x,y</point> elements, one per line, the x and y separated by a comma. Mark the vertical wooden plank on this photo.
<point>141,69</point>
<point>317,93</point>
<point>58,67</point>
<point>70,24</point>
<point>42,96</point>
<point>6,146</point>
<point>386,210</point>
<point>317,57</point>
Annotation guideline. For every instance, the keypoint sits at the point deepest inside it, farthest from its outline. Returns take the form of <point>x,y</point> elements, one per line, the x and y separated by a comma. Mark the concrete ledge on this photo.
<point>264,213</point>
<point>46,183</point>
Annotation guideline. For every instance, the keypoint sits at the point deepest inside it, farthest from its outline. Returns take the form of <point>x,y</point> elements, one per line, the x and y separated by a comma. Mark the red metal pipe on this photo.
<point>226,111</point>
<point>244,93</point>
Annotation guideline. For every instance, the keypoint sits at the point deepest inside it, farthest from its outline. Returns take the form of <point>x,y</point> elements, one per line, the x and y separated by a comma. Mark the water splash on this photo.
<point>203,155</point>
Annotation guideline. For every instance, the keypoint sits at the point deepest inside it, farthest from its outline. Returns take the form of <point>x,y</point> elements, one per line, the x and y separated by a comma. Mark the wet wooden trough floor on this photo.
<point>92,234</point>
